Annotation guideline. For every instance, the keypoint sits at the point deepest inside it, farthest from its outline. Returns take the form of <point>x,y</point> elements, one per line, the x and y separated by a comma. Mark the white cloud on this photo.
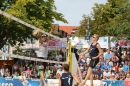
<point>73,10</point>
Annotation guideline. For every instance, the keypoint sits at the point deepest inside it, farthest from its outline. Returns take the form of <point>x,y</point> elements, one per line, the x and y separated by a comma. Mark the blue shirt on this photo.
<point>66,79</point>
<point>108,56</point>
<point>125,68</point>
<point>106,66</point>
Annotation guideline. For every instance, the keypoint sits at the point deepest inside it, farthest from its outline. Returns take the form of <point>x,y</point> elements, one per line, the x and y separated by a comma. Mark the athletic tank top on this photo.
<point>66,79</point>
<point>93,50</point>
<point>43,50</point>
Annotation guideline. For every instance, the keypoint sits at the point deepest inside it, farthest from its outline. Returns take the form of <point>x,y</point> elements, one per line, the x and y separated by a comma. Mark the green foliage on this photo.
<point>36,12</point>
<point>111,19</point>
<point>19,51</point>
<point>83,27</point>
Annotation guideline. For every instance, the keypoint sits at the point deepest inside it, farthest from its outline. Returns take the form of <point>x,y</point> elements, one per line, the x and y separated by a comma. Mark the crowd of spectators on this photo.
<point>30,69</point>
<point>112,66</point>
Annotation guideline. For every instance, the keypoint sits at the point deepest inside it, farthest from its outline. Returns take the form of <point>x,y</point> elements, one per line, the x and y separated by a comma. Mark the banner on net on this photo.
<point>30,58</point>
<point>56,43</point>
<point>55,82</point>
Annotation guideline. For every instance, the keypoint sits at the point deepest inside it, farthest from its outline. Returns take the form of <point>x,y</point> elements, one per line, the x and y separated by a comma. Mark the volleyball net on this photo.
<point>71,59</point>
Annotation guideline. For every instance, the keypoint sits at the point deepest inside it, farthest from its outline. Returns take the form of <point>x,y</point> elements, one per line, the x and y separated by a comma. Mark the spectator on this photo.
<point>26,66</point>
<point>8,75</point>
<point>126,67</point>
<point>22,77</point>
<point>106,73</point>
<point>81,70</point>
<point>115,68</point>
<point>36,76</point>
<point>50,57</point>
<point>51,76</point>
<point>99,73</point>
<point>114,59</point>
<point>2,70</point>
<point>57,66</point>
<point>112,77</point>
<point>16,76</point>
<point>34,71</point>
<point>6,72</point>
<point>127,77</point>
<point>9,67</point>
<point>120,67</point>
<point>54,71</point>
<point>104,77</point>
<point>106,66</point>
<point>21,68</point>
<point>28,75</point>
<point>28,71</point>
<point>121,77</point>
<point>86,66</point>
<point>60,71</point>
<point>58,56</point>
<point>47,71</point>
<point>15,69</point>
<point>107,55</point>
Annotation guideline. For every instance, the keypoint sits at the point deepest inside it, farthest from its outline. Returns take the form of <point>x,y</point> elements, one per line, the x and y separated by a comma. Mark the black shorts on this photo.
<point>93,63</point>
<point>44,64</point>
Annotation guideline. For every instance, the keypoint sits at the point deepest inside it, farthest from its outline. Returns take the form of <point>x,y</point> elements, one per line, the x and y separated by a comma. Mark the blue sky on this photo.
<point>73,10</point>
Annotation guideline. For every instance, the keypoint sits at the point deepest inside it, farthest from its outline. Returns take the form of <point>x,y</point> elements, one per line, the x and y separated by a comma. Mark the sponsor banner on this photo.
<point>103,41</point>
<point>55,82</point>
<point>127,82</point>
<point>30,58</point>
<point>56,43</point>
<point>113,83</point>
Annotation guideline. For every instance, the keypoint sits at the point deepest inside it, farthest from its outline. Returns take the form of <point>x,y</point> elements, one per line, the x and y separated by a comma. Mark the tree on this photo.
<point>83,27</point>
<point>36,12</point>
<point>112,18</point>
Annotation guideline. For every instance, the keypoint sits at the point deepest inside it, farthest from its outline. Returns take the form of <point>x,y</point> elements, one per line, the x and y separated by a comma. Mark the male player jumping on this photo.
<point>95,53</point>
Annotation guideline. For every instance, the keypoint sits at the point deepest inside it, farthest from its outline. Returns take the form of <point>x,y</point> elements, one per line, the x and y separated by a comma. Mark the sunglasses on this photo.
<point>94,37</point>
<point>43,36</point>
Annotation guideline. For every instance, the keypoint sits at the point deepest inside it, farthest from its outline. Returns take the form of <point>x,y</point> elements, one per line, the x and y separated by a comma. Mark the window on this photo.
<point>30,41</point>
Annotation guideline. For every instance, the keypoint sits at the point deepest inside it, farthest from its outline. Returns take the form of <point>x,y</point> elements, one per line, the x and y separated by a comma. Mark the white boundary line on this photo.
<point>30,58</point>
<point>25,23</point>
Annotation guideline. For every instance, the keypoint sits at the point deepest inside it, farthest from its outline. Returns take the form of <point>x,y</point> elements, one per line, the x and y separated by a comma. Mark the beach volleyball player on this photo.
<point>43,53</point>
<point>95,52</point>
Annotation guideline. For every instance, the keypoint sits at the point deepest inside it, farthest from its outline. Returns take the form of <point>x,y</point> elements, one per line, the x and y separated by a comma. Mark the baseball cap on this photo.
<point>60,66</point>
<point>44,35</point>
<point>81,68</point>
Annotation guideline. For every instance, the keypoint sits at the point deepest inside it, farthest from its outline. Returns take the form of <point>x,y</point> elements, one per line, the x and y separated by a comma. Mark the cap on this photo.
<point>44,35</point>
<point>81,68</point>
<point>60,66</point>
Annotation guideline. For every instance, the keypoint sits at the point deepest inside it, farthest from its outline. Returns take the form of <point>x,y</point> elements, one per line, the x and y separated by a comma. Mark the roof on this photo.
<point>67,29</point>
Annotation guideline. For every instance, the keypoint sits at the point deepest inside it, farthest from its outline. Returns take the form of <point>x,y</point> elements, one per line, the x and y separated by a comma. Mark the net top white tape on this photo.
<point>26,24</point>
<point>30,58</point>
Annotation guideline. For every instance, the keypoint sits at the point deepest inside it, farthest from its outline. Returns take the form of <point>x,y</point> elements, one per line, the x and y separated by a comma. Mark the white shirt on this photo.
<point>43,50</point>
<point>74,40</point>
<point>2,72</point>
<point>57,66</point>
<point>58,57</point>
<point>20,77</point>
<point>60,71</point>
<point>106,74</point>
